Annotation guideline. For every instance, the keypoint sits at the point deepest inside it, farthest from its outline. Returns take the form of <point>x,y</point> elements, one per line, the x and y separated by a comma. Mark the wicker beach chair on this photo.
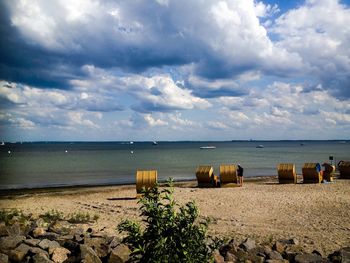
<point>145,179</point>
<point>328,172</point>
<point>228,176</point>
<point>312,173</point>
<point>344,169</point>
<point>205,176</point>
<point>286,173</point>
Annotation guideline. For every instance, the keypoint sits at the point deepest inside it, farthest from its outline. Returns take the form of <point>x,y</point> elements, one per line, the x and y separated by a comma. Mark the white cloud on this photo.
<point>317,32</point>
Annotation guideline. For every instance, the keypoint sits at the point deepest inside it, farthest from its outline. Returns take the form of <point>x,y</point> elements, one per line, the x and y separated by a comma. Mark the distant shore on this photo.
<point>316,214</point>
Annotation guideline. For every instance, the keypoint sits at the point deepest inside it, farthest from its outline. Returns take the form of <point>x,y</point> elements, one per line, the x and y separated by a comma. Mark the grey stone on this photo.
<point>61,227</point>
<point>97,244</point>
<point>294,241</point>
<point>274,255</point>
<point>46,244</point>
<point>23,247</point>
<point>41,258</point>
<point>279,246</point>
<point>32,242</point>
<point>10,242</point>
<point>342,255</point>
<point>4,258</point>
<point>59,254</point>
<point>120,254</point>
<point>16,255</point>
<point>248,244</point>
<point>88,255</point>
<point>15,230</point>
<point>230,257</point>
<point>3,230</point>
<point>308,258</point>
<point>115,242</point>
<point>37,250</point>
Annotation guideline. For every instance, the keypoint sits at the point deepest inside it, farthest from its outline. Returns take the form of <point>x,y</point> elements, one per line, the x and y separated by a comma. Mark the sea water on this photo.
<point>50,164</point>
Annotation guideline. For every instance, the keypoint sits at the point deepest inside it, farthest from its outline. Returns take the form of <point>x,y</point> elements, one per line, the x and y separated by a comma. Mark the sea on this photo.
<point>59,164</point>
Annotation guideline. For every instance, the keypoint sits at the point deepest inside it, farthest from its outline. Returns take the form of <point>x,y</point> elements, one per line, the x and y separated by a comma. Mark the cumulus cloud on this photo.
<point>165,65</point>
<point>317,32</point>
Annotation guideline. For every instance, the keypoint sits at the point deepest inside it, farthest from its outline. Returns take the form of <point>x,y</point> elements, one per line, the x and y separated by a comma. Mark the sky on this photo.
<point>103,70</point>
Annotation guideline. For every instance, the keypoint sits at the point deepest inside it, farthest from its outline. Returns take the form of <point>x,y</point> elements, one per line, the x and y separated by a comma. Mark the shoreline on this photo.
<point>67,188</point>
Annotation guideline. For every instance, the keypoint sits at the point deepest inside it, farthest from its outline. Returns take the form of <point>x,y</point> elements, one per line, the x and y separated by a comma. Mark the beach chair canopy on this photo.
<point>205,176</point>
<point>344,169</point>
<point>286,173</point>
<point>145,179</point>
<point>228,175</point>
<point>312,173</point>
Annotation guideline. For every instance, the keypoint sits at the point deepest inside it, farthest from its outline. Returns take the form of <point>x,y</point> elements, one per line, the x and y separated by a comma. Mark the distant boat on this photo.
<point>260,146</point>
<point>131,142</point>
<point>207,147</point>
<point>2,144</point>
<point>154,143</point>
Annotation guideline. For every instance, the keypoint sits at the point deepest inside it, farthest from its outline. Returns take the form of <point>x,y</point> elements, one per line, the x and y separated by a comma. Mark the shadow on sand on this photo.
<point>121,198</point>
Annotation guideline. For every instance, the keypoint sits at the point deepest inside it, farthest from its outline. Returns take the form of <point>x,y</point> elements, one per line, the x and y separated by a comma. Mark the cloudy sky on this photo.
<point>174,69</point>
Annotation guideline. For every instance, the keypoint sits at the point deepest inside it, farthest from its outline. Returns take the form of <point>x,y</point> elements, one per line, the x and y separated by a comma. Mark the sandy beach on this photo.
<point>317,215</point>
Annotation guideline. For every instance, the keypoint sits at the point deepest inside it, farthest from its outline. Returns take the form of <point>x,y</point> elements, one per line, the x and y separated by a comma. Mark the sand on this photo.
<point>318,215</point>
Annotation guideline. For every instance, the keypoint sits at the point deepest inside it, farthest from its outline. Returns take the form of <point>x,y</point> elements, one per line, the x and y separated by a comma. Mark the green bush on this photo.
<point>52,216</point>
<point>80,217</point>
<point>172,233</point>
<point>7,215</point>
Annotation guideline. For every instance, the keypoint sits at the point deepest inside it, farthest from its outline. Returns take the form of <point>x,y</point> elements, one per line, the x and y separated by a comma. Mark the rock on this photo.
<point>32,242</point>
<point>342,255</point>
<point>15,230</point>
<point>39,232</point>
<point>23,247</point>
<point>231,247</point>
<point>46,244</point>
<point>72,246</point>
<point>64,238</point>
<point>41,258</point>
<point>51,236</point>
<point>59,254</point>
<point>61,227</point>
<point>276,261</point>
<point>244,256</point>
<point>115,242</point>
<point>248,244</point>
<point>294,241</point>
<point>217,257</point>
<point>79,238</point>
<point>120,254</point>
<point>37,250</point>
<point>274,255</point>
<point>10,242</point>
<point>3,230</point>
<point>279,246</point>
<point>4,258</point>
<point>308,258</point>
<point>230,257</point>
<point>97,244</point>
<point>88,255</point>
<point>16,255</point>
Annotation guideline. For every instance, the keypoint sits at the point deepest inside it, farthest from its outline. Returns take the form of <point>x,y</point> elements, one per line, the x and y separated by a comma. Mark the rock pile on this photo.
<point>58,242</point>
<point>62,241</point>
<point>281,251</point>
